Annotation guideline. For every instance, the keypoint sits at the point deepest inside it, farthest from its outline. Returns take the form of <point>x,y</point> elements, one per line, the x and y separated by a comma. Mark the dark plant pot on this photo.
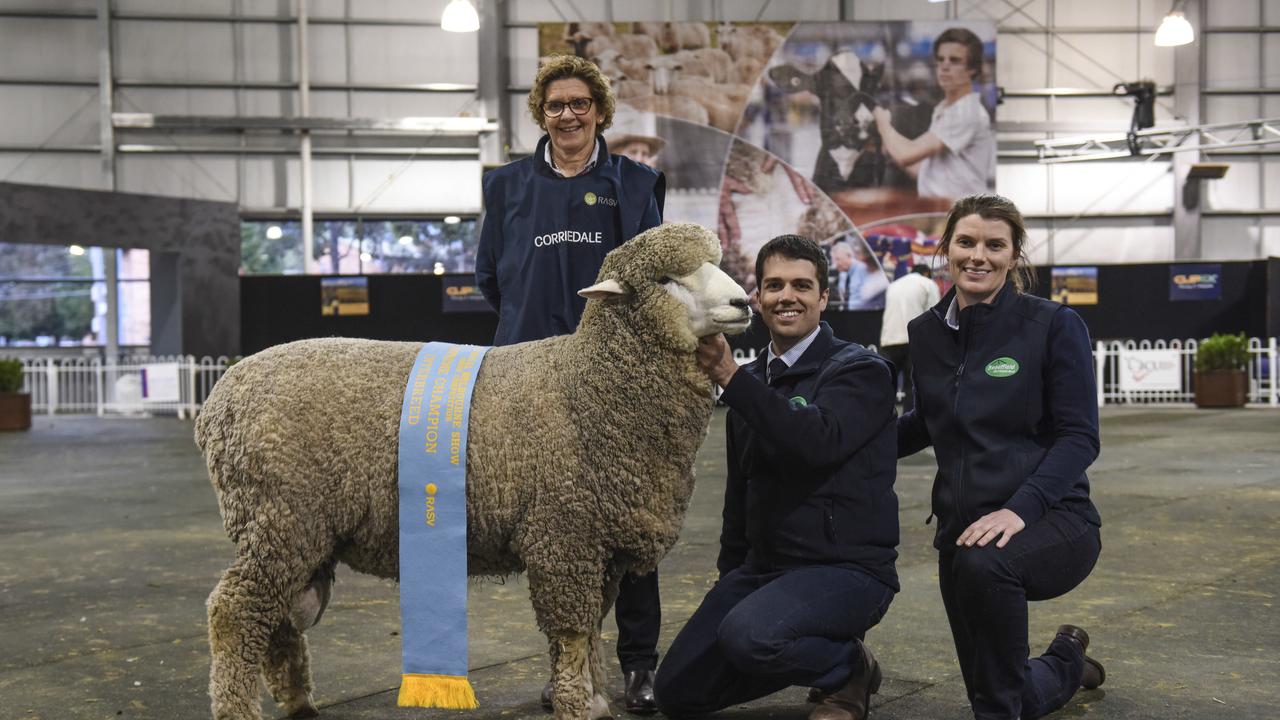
<point>1221,388</point>
<point>15,411</point>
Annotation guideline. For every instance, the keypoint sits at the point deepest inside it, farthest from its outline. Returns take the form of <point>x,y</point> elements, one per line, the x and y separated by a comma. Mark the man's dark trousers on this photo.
<point>901,359</point>
<point>985,591</point>
<point>638,612</point>
<point>758,632</point>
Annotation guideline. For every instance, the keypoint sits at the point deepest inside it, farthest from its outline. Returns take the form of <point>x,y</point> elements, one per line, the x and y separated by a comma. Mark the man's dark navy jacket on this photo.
<point>544,236</point>
<point>1009,404</point>
<point>811,463</point>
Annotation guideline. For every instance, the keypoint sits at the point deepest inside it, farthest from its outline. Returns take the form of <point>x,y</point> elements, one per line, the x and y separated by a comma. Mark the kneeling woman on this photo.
<point>1005,393</point>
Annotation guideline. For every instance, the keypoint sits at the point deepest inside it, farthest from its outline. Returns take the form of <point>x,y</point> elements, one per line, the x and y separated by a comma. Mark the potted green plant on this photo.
<point>1221,380</point>
<point>15,405</point>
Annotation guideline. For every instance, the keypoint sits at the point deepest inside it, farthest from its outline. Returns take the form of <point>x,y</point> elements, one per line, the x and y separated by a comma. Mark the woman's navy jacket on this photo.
<point>1009,404</point>
<point>544,237</point>
<point>811,463</point>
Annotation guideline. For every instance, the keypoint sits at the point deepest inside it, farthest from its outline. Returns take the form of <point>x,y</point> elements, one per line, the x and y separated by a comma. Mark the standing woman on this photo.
<point>1005,394</point>
<point>549,220</point>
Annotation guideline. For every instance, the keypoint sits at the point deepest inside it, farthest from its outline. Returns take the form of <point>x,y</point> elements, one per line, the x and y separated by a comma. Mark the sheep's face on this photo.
<point>671,273</point>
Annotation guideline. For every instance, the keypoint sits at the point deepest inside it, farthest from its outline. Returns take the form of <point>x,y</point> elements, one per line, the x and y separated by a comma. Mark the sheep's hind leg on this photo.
<point>251,602</point>
<point>599,680</point>
<point>288,671</point>
<point>288,665</point>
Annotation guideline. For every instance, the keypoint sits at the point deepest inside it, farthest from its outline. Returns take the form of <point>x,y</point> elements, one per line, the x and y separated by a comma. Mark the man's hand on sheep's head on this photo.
<point>716,359</point>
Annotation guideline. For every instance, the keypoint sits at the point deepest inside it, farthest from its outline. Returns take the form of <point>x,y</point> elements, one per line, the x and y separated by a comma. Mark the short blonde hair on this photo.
<point>560,67</point>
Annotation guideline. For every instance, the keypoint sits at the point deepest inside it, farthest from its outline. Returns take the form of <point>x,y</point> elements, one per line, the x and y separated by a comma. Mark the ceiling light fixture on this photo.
<point>452,220</point>
<point>1175,30</point>
<point>460,16</point>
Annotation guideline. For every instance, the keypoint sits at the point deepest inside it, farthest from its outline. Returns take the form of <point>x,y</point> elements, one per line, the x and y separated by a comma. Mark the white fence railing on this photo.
<point>178,385</point>
<point>168,385</point>
<point>1263,375</point>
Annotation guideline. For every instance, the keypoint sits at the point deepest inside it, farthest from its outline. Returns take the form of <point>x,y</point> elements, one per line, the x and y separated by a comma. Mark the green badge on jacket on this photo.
<point>799,401</point>
<point>1002,367</point>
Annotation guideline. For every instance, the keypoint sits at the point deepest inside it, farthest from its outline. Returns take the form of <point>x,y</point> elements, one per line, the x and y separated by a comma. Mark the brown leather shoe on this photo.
<point>1094,674</point>
<point>853,701</point>
<point>638,685</point>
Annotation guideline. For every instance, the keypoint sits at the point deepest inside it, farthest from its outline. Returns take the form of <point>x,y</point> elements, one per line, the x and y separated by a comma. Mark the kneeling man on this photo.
<point>810,516</point>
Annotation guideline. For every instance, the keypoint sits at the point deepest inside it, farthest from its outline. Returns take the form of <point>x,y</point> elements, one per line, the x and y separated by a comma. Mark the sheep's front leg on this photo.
<point>567,595</point>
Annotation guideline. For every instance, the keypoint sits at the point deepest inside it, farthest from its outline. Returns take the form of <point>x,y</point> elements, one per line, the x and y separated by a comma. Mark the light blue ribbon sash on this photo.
<point>433,526</point>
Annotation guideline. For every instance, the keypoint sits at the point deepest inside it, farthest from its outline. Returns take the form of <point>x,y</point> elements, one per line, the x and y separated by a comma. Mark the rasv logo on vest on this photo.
<point>1002,367</point>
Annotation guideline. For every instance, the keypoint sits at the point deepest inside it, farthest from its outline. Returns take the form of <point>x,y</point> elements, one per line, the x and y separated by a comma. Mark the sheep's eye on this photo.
<point>664,280</point>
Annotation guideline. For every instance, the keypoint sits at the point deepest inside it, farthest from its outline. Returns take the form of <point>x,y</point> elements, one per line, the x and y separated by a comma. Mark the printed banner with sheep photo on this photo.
<point>858,135</point>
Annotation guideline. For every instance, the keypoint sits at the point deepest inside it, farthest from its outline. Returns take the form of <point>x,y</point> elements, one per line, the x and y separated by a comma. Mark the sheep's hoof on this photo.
<point>302,708</point>
<point>600,707</point>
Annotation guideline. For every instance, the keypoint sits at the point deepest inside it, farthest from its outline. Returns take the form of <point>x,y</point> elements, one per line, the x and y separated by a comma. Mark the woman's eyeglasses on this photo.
<point>555,108</point>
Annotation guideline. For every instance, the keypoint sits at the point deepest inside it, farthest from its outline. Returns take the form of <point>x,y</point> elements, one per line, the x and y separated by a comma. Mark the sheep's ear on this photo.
<point>608,289</point>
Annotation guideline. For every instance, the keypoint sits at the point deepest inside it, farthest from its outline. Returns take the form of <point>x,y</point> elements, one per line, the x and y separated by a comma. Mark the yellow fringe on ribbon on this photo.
<point>439,691</point>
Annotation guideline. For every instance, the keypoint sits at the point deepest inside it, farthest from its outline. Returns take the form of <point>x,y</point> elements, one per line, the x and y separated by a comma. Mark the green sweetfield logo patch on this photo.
<point>1002,367</point>
<point>799,401</point>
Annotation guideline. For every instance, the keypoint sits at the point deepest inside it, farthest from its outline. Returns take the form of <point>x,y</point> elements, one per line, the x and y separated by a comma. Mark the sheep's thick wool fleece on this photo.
<point>580,451</point>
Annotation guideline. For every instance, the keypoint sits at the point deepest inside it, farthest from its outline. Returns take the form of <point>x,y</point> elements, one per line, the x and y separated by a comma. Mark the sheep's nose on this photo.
<point>740,303</point>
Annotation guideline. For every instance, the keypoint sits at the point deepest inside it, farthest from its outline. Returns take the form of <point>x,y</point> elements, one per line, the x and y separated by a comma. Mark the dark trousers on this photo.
<point>756,633</point>
<point>901,359</point>
<point>985,591</point>
<point>638,612</point>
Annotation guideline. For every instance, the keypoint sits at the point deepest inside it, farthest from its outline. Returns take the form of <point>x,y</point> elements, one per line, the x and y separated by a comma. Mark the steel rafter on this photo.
<point>1160,141</point>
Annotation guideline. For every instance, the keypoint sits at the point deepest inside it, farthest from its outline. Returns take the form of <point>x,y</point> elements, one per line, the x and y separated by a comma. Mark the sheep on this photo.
<point>673,36</point>
<point>579,468</point>
<point>742,41</point>
<point>627,44</point>
<point>680,107</point>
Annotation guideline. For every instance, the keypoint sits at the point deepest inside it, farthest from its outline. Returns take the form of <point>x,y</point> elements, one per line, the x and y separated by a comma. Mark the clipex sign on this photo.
<point>1195,282</point>
<point>1150,370</point>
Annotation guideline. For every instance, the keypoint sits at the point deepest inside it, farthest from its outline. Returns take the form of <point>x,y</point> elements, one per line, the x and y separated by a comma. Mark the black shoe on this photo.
<point>546,698</point>
<point>815,695</point>
<point>1094,674</point>
<point>639,692</point>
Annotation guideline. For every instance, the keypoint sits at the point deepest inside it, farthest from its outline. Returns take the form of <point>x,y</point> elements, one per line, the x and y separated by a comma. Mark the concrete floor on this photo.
<point>110,542</point>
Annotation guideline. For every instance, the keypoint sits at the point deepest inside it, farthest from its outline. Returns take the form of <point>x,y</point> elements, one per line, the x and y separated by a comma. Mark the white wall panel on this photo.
<point>420,10</point>
<point>1271,106</point>
<point>69,5</point>
<point>328,51</point>
<point>1271,60</point>
<point>275,182</point>
<point>146,50</point>
<point>1095,13</point>
<point>1271,12</point>
<point>1231,60</point>
<point>1024,184</point>
<point>1021,61</point>
<point>48,49</point>
<point>1270,237</point>
<point>168,7</point>
<point>398,104</point>
<point>1231,108</point>
<point>524,133</point>
<point>1113,186</point>
<point>1086,242</point>
<point>1270,182</point>
<point>267,52</point>
<point>897,10</point>
<point>1230,238</point>
<point>419,185</point>
<point>1101,61</point>
<point>176,101</point>
<point>1239,190</point>
<point>1023,109</point>
<point>48,115</point>
<point>61,169</point>
<point>1032,14</point>
<point>412,54</point>
<point>202,177</point>
<point>522,56</point>
<point>1238,13</point>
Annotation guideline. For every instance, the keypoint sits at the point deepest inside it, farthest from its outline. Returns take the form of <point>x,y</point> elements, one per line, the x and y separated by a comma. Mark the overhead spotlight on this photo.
<point>460,16</point>
<point>438,269</point>
<point>75,250</point>
<point>274,232</point>
<point>406,240</point>
<point>938,1</point>
<point>1175,30</point>
<point>365,257</point>
<point>452,220</point>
